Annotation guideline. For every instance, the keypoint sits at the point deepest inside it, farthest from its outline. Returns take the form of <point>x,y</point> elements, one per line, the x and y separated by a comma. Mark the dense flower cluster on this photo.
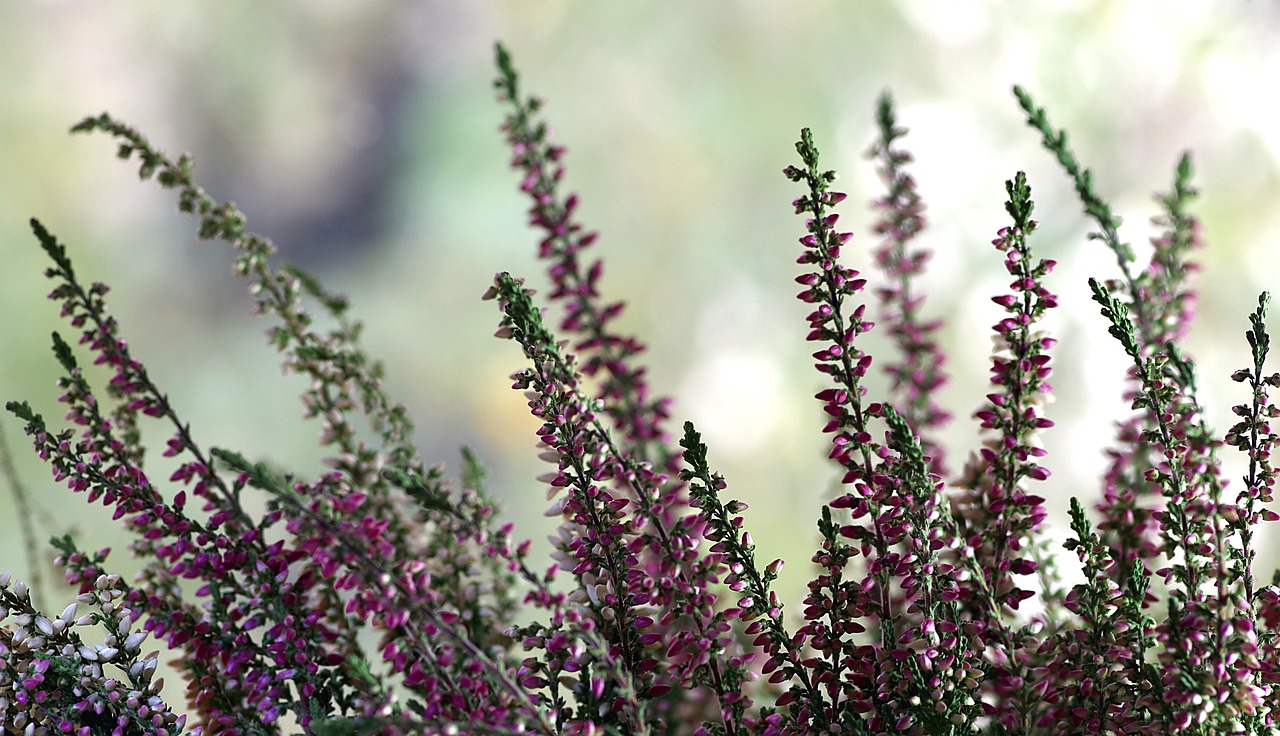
<point>54,678</point>
<point>381,597</point>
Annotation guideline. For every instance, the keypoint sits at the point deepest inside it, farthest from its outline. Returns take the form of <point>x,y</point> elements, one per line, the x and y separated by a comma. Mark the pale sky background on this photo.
<point>362,138</point>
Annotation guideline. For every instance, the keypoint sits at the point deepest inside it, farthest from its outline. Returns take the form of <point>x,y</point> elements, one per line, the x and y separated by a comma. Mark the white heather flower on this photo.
<point>134,640</point>
<point>557,507</point>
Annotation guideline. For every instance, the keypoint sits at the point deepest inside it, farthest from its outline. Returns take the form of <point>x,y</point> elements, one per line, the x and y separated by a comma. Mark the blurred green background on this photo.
<point>362,138</point>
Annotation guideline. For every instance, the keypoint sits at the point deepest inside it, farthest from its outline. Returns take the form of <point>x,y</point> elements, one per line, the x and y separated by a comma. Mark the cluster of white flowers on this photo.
<point>52,680</point>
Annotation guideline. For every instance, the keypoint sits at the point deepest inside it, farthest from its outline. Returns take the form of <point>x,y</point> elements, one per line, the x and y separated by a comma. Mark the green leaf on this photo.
<point>22,410</point>
<point>904,440</point>
<point>508,79</point>
<point>57,251</point>
<point>473,473</point>
<point>62,351</point>
<point>808,152</point>
<point>335,303</point>
<point>1259,339</point>
<point>1117,313</point>
<point>90,124</point>
<point>260,476</point>
<point>695,452</point>
<point>887,120</point>
<point>430,498</point>
<point>1019,206</point>
<point>1079,524</point>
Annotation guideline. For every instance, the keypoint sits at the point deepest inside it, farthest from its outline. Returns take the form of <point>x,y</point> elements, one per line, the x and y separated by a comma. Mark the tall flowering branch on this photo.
<point>661,598</point>
<point>1055,141</point>
<point>920,373</point>
<point>942,650</point>
<point>1000,513</point>
<point>1163,290</point>
<point>598,557</point>
<point>1161,306</point>
<point>343,382</point>
<point>827,287</point>
<point>759,606</point>
<point>998,516</point>
<point>624,389</point>
<point>1096,677</point>
<point>908,595</point>
<point>665,529</point>
<point>1254,436</point>
<point>246,687</point>
<point>1206,683</point>
<point>343,378</point>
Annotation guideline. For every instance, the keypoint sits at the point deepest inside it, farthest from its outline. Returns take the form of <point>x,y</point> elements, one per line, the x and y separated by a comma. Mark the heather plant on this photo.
<point>383,597</point>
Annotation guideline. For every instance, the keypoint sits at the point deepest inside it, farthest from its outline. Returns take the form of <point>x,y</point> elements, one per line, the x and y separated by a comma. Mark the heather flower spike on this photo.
<point>1253,436</point>
<point>919,373</point>
<point>623,388</point>
<point>378,596</point>
<point>1161,301</point>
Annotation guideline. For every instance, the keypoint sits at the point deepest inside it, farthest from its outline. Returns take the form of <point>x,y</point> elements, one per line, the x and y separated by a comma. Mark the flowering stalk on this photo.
<point>1253,436</point>
<point>920,373</point>
<point>595,546</point>
<point>1000,513</point>
<point>997,516</point>
<point>1078,695</point>
<point>852,447</point>
<point>216,551</point>
<point>759,606</point>
<point>1161,305</point>
<point>1206,683</point>
<point>665,527</point>
<point>639,604</point>
<point>922,665</point>
<point>343,379</point>
<point>623,390</point>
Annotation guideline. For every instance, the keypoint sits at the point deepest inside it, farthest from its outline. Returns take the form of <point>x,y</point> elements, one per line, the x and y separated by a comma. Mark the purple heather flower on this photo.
<point>919,373</point>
